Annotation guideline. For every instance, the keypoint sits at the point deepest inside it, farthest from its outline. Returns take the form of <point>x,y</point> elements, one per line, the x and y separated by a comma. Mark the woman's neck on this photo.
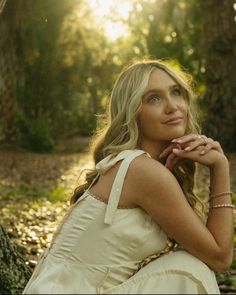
<point>154,149</point>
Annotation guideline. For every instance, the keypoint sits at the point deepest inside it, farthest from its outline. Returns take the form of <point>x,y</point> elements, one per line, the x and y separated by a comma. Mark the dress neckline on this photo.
<point>100,200</point>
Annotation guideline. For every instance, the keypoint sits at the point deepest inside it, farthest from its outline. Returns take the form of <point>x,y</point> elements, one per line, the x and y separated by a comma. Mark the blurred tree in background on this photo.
<point>8,77</point>
<point>219,35</point>
<point>59,59</point>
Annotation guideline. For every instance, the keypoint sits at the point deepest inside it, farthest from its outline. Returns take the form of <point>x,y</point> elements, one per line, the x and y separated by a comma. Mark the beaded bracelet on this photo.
<point>219,195</point>
<point>222,206</point>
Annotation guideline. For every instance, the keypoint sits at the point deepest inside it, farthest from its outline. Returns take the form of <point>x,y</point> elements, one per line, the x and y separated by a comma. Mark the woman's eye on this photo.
<point>177,92</point>
<point>153,98</point>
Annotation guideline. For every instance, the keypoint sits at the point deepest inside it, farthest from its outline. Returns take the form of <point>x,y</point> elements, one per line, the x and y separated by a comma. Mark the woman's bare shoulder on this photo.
<point>150,181</point>
<point>146,170</point>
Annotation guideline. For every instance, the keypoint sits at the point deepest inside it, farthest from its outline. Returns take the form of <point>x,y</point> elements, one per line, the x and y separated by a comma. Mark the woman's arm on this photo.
<point>157,191</point>
<point>220,220</point>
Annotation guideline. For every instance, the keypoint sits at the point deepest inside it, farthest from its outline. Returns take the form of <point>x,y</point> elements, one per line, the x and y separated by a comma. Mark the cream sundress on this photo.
<point>98,247</point>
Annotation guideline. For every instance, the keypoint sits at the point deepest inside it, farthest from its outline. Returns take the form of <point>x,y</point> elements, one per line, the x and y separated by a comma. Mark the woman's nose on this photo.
<point>170,105</point>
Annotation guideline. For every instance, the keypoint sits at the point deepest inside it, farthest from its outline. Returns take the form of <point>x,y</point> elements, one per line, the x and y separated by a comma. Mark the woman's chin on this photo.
<point>176,134</point>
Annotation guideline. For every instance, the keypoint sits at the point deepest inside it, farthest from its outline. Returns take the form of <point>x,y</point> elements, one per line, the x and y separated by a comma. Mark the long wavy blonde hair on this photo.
<point>121,130</point>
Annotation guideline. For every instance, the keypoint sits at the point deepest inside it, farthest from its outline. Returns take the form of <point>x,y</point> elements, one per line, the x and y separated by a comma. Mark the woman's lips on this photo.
<point>174,121</point>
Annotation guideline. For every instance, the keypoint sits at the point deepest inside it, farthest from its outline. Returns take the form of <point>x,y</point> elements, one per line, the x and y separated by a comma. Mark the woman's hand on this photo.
<point>194,147</point>
<point>194,140</point>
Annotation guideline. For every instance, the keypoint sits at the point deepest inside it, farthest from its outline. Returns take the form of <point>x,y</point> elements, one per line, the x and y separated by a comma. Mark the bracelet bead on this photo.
<point>222,206</point>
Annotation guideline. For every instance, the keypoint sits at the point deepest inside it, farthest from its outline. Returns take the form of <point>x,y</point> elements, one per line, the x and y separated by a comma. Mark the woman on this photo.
<point>135,225</point>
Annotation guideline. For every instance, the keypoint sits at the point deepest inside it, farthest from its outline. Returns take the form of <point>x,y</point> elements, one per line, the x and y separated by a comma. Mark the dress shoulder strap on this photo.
<point>102,167</point>
<point>118,185</point>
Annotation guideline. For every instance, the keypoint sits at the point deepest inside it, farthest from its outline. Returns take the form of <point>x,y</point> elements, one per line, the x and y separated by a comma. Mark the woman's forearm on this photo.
<point>220,220</point>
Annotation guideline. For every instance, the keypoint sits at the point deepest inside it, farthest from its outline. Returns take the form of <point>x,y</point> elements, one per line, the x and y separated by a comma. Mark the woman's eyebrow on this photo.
<point>159,89</point>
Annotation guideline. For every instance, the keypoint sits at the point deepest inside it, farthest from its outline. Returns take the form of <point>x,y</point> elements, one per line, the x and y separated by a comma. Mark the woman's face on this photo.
<point>164,109</point>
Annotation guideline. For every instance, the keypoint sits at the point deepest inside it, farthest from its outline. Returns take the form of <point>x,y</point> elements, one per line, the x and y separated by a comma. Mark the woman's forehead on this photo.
<point>159,79</point>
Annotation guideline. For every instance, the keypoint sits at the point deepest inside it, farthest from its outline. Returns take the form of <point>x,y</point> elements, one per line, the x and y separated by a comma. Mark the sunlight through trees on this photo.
<point>63,57</point>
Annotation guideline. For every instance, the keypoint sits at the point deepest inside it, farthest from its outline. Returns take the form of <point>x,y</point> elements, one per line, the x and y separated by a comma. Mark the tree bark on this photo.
<point>14,273</point>
<point>8,75</point>
<point>219,39</point>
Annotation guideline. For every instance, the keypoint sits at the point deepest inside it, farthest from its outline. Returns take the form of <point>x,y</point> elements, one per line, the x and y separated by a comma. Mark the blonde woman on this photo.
<point>135,226</point>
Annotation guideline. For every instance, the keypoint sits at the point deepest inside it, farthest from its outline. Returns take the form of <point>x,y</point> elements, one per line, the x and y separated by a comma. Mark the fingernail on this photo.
<point>187,148</point>
<point>177,140</point>
<point>202,152</point>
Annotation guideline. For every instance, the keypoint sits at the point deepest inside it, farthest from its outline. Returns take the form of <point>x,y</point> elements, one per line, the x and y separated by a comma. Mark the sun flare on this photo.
<point>110,15</point>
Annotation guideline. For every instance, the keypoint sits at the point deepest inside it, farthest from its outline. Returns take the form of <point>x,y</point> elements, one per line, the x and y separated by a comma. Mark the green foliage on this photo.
<point>15,192</point>
<point>54,194</point>
<point>34,135</point>
<point>67,64</point>
<point>57,194</point>
<point>234,264</point>
<point>234,198</point>
<point>71,73</point>
<point>224,278</point>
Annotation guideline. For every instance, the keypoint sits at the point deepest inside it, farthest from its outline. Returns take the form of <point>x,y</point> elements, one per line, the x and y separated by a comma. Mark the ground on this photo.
<point>35,192</point>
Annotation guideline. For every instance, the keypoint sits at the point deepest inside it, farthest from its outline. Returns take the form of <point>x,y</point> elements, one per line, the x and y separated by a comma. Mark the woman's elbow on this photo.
<point>223,262</point>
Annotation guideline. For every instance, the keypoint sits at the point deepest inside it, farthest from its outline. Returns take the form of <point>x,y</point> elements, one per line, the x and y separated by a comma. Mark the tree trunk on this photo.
<point>219,41</point>
<point>8,73</point>
<point>14,273</point>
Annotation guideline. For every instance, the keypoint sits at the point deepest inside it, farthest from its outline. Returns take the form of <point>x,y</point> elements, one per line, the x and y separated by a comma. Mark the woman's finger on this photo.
<point>186,138</point>
<point>174,163</point>
<point>190,142</point>
<point>211,145</point>
<point>200,141</point>
<point>171,161</point>
<point>193,155</point>
<point>168,150</point>
<point>207,160</point>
